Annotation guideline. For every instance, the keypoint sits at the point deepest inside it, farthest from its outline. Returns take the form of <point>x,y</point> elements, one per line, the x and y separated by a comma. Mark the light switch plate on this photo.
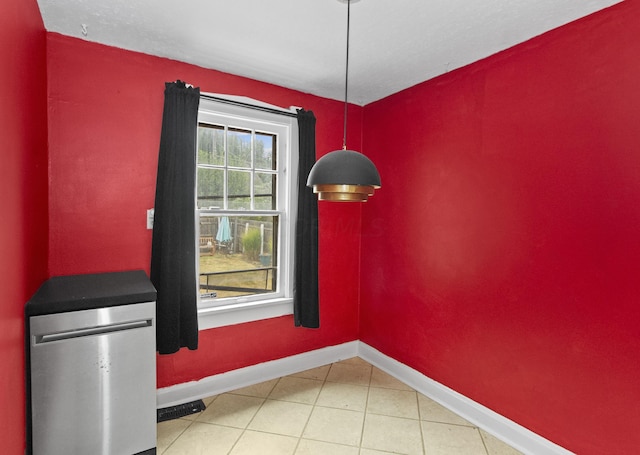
<point>150,214</point>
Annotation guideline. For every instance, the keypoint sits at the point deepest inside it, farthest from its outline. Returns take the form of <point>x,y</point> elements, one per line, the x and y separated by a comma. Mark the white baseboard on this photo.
<point>504,429</point>
<point>243,377</point>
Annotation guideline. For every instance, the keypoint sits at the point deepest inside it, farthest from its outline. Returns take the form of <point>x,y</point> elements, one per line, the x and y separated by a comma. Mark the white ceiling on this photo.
<point>300,44</point>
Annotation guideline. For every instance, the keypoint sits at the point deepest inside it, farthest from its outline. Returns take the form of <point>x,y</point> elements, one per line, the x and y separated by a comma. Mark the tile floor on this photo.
<point>346,408</point>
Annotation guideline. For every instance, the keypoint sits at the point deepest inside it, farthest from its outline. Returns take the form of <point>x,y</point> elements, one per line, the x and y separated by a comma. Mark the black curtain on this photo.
<point>173,251</point>
<point>305,289</point>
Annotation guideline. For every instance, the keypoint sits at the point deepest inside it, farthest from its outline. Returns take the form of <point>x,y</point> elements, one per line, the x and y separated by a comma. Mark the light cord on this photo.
<point>346,79</point>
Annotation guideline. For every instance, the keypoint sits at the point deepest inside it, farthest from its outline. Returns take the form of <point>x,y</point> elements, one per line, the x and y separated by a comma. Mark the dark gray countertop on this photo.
<point>82,292</point>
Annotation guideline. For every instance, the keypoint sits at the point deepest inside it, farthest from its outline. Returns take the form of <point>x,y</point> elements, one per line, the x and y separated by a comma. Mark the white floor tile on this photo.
<point>299,390</point>
<point>350,373</point>
<point>169,431</point>
<point>343,396</point>
<point>281,417</point>
<point>392,434</point>
<point>204,439</point>
<point>231,410</point>
<point>309,447</point>
<point>340,426</point>
<point>255,442</point>
<point>395,403</point>
<point>446,439</point>
<point>375,452</point>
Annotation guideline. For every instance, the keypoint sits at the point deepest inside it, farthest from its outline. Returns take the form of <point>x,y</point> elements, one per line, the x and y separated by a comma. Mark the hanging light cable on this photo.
<point>344,175</point>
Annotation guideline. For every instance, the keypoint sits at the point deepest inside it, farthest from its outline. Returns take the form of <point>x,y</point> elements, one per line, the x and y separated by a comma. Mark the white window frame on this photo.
<point>237,310</point>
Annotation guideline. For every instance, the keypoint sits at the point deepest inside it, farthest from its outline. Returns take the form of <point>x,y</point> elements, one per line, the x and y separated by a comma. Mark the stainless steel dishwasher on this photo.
<point>91,375</point>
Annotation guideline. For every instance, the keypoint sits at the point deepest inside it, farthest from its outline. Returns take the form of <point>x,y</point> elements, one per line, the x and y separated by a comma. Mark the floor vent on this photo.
<point>181,410</point>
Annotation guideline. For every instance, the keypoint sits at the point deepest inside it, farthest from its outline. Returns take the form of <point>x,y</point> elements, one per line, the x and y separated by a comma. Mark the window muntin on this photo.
<point>236,168</point>
<point>244,181</point>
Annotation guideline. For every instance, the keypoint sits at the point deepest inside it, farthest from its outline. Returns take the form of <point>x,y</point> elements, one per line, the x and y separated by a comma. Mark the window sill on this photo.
<point>239,313</point>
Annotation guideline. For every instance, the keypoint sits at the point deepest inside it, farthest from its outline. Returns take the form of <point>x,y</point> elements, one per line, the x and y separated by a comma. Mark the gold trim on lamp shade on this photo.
<point>343,193</point>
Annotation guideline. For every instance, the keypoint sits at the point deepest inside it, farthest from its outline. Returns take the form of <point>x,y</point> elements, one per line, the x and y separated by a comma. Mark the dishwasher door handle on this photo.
<point>76,333</point>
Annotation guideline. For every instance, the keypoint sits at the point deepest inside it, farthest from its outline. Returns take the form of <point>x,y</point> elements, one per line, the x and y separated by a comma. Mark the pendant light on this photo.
<point>344,175</point>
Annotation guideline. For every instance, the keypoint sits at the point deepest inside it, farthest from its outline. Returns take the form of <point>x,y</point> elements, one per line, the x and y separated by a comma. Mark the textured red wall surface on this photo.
<point>23,199</point>
<point>504,246</point>
<point>105,108</point>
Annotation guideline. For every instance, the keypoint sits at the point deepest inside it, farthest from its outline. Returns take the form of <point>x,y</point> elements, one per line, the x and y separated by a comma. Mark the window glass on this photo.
<point>239,148</point>
<point>239,190</point>
<point>236,255</point>
<point>210,187</point>
<point>245,202</point>
<point>211,145</point>
<point>265,144</point>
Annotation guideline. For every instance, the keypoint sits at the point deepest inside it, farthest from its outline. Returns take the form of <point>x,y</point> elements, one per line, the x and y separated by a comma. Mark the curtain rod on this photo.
<point>250,106</point>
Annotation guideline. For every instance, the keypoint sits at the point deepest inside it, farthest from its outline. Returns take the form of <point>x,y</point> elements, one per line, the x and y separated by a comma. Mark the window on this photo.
<point>246,198</point>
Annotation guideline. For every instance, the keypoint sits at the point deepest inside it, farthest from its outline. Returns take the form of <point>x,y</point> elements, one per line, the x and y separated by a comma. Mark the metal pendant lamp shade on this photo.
<point>344,175</point>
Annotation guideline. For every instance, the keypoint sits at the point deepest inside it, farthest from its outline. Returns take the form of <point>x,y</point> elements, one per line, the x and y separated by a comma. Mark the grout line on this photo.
<point>366,407</point>
<point>364,419</point>
<point>424,447</point>
<point>313,407</point>
<point>484,444</point>
<point>244,430</point>
<point>177,437</point>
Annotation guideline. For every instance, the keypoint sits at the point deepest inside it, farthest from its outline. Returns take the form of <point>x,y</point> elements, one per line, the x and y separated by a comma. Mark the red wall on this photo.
<point>506,236</point>
<point>105,109</point>
<point>23,198</point>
